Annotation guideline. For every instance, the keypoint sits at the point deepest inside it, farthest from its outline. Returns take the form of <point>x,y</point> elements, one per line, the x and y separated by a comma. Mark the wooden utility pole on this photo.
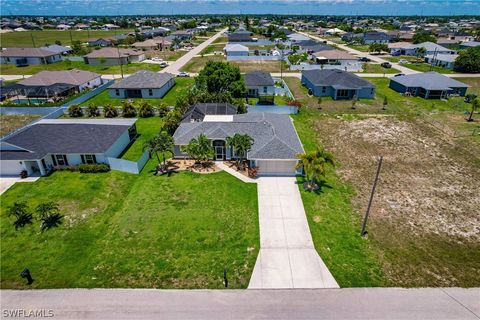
<point>364,226</point>
<point>33,40</point>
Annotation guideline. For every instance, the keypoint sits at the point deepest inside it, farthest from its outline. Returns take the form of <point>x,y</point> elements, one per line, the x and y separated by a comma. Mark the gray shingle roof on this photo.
<point>41,139</point>
<point>274,134</point>
<point>198,111</point>
<point>258,78</point>
<point>338,78</point>
<point>429,80</point>
<point>143,79</point>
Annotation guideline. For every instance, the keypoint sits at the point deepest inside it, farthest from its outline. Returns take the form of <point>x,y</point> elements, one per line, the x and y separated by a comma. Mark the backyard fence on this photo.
<point>127,165</point>
<point>89,95</point>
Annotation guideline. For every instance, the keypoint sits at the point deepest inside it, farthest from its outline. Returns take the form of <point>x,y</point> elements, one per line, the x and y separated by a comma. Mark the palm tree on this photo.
<point>421,52</point>
<point>110,111</point>
<point>164,144</point>
<point>200,148</point>
<point>475,105</point>
<point>152,146</point>
<point>21,213</point>
<point>241,144</point>
<point>49,214</point>
<point>92,111</point>
<point>145,110</point>
<point>314,166</point>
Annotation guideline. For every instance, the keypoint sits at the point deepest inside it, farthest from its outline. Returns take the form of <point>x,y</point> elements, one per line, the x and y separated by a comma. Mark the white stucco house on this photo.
<point>143,84</point>
<point>236,49</point>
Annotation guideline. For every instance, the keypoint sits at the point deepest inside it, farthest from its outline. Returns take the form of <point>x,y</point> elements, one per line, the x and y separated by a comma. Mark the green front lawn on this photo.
<point>377,68</point>
<point>64,65</point>
<point>425,67</point>
<point>125,230</point>
<point>360,47</point>
<point>182,85</point>
<point>44,37</point>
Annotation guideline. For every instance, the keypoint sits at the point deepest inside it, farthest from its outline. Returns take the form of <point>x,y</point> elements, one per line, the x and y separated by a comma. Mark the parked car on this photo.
<point>365,59</point>
<point>403,61</point>
<point>163,64</point>
<point>386,65</point>
<point>157,59</point>
<point>183,75</point>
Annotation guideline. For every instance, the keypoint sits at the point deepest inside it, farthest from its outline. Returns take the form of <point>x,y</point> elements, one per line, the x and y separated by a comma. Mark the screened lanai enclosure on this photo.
<point>22,94</point>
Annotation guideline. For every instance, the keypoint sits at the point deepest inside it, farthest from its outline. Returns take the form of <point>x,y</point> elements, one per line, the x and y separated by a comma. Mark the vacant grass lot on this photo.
<point>197,64</point>
<point>377,68</point>
<point>9,123</point>
<point>125,230</point>
<point>263,65</point>
<point>182,85</point>
<point>63,65</point>
<point>43,37</point>
<point>422,231</point>
<point>425,67</point>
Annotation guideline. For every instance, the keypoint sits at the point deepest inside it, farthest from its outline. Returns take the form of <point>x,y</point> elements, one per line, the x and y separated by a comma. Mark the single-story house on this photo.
<point>333,56</point>
<point>428,85</point>
<point>153,44</point>
<point>311,46</point>
<point>411,49</point>
<point>259,83</point>
<point>46,144</point>
<point>470,44</point>
<point>274,150</point>
<point>60,83</point>
<point>182,34</point>
<point>113,56</point>
<point>160,31</point>
<point>375,37</point>
<point>297,37</point>
<point>235,49</point>
<point>198,111</point>
<point>26,56</point>
<point>142,84</point>
<point>100,42</point>
<point>240,36</point>
<point>57,49</point>
<point>334,31</point>
<point>337,84</point>
<point>442,60</point>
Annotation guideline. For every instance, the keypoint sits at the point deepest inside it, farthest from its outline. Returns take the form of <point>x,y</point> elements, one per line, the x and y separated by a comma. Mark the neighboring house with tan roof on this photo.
<point>153,44</point>
<point>26,56</point>
<point>113,56</point>
<point>332,56</point>
<point>78,78</point>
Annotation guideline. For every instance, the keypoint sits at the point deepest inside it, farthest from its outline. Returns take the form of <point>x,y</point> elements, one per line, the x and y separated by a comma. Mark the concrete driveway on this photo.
<point>287,257</point>
<point>6,183</point>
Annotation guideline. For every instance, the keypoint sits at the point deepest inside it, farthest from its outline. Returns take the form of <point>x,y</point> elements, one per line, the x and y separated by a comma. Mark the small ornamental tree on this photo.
<point>128,110</point>
<point>93,111</point>
<point>75,111</point>
<point>109,111</point>
<point>145,110</point>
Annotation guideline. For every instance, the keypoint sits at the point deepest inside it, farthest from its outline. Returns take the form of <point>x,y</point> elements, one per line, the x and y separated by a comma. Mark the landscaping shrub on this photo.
<point>110,111</point>
<point>93,168</point>
<point>75,111</point>
<point>146,110</point>
<point>128,110</point>
<point>163,109</point>
<point>93,111</point>
<point>295,103</point>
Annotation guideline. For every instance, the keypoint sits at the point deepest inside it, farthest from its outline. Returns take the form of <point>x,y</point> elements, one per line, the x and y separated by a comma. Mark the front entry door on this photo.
<point>219,153</point>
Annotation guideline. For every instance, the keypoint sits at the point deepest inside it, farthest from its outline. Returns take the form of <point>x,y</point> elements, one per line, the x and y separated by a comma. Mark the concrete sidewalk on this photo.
<point>352,303</point>
<point>287,257</point>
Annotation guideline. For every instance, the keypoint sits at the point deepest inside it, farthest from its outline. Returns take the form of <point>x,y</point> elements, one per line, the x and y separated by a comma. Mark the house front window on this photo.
<point>60,160</point>
<point>150,92</point>
<point>264,89</point>
<point>342,93</point>
<point>89,158</point>
<point>324,89</point>
<point>117,92</point>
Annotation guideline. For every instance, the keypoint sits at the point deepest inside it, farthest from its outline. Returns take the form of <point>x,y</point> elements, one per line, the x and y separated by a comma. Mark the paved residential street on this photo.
<point>375,58</point>
<point>354,303</point>
<point>287,257</point>
<point>175,66</point>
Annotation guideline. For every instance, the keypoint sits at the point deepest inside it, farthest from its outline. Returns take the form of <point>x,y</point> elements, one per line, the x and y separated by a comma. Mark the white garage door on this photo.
<point>10,168</point>
<point>269,167</point>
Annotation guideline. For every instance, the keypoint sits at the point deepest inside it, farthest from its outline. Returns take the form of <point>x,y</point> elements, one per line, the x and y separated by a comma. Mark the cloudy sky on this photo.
<point>166,7</point>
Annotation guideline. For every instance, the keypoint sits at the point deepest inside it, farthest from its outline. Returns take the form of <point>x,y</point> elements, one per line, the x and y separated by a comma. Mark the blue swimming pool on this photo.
<point>29,101</point>
<point>273,109</point>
